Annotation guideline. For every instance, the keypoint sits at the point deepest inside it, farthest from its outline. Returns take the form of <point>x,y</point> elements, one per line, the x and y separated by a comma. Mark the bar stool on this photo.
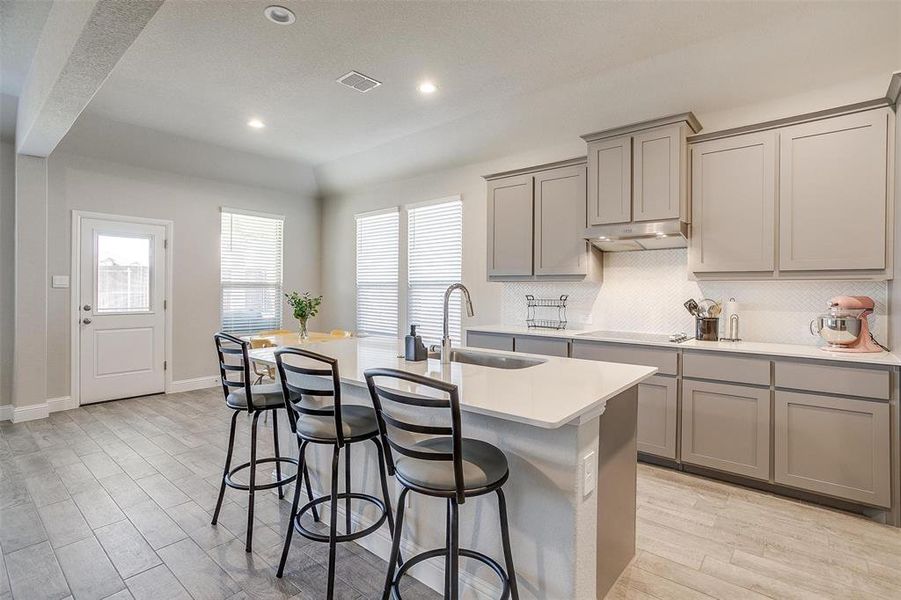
<point>241,396</point>
<point>339,425</point>
<point>441,463</point>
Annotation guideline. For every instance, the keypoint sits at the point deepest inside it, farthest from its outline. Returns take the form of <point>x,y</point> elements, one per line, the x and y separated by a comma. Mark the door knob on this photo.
<point>86,307</point>
<point>86,321</point>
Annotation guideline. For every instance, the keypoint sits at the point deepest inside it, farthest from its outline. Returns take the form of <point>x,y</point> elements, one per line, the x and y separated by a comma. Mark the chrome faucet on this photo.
<point>445,338</point>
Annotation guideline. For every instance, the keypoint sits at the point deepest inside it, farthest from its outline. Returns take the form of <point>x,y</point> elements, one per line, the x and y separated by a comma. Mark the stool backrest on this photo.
<point>396,408</point>
<point>229,346</point>
<point>302,381</point>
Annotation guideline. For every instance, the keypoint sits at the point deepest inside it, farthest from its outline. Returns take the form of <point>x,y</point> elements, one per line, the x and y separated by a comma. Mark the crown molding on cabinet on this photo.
<point>894,89</point>
<point>569,162</point>
<point>688,117</point>
<point>795,120</point>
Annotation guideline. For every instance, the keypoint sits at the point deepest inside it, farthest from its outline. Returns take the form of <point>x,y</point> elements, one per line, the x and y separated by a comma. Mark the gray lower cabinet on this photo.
<point>835,446</point>
<point>490,341</point>
<point>541,345</point>
<point>657,416</point>
<point>726,427</point>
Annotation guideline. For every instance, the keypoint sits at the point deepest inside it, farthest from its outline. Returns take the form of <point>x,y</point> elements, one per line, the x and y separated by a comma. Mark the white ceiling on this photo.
<point>511,75</point>
<point>21,22</point>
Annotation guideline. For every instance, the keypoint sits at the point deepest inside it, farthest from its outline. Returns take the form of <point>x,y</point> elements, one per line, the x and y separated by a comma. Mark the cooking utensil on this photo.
<point>691,306</point>
<point>709,309</point>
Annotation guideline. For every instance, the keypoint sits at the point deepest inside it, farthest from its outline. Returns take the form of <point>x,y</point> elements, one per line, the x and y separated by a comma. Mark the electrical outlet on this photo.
<point>589,473</point>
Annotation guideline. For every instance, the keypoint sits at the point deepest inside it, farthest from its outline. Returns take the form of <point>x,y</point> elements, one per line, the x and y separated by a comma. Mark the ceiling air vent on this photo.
<point>358,81</point>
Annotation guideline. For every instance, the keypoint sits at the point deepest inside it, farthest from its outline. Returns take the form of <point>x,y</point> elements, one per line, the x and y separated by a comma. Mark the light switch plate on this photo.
<point>589,473</point>
<point>60,281</point>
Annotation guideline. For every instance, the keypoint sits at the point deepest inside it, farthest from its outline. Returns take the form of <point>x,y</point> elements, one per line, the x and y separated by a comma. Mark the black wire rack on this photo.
<point>540,308</point>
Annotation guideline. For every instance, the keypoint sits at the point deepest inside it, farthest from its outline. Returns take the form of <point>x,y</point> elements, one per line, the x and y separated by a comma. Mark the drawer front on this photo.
<point>835,446</point>
<point>541,345</point>
<point>722,367</point>
<point>666,361</point>
<point>657,398</point>
<point>726,427</point>
<point>491,341</point>
<point>851,381</point>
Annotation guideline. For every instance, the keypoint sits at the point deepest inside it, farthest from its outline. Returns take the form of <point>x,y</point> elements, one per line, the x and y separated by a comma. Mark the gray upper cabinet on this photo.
<point>801,198</point>
<point>536,224</point>
<point>657,173</point>
<point>510,226</point>
<point>833,193</point>
<point>560,246</point>
<point>610,181</point>
<point>733,200</point>
<point>639,172</point>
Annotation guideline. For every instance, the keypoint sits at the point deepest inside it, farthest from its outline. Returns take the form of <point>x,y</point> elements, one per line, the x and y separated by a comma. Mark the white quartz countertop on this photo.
<point>763,348</point>
<point>549,395</point>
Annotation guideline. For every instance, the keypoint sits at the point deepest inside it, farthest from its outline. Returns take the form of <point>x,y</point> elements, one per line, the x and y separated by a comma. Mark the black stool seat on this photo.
<point>356,422</point>
<point>483,465</point>
<point>267,396</point>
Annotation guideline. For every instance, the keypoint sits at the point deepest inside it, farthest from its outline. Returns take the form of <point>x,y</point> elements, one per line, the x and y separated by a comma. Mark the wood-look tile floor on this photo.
<point>114,501</point>
<point>703,539</point>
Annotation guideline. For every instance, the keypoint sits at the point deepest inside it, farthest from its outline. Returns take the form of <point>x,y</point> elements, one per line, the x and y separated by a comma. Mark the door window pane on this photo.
<point>123,273</point>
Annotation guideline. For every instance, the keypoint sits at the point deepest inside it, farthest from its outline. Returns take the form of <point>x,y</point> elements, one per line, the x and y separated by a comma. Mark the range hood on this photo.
<point>649,235</point>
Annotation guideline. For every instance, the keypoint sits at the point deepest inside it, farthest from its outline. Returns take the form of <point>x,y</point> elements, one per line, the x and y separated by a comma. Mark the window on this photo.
<point>377,272</point>
<point>390,292</point>
<point>434,261</point>
<point>251,271</point>
<point>123,274</point>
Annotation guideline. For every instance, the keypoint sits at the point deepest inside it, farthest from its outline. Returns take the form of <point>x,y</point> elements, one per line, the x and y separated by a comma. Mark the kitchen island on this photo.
<point>568,429</point>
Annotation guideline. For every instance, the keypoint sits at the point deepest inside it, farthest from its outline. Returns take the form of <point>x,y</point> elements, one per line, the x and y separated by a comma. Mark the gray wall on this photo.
<point>7,232</point>
<point>338,234</point>
<point>123,170</point>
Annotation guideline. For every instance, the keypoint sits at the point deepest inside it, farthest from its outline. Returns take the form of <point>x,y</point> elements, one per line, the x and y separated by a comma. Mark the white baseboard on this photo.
<point>20,414</point>
<point>6,412</point>
<point>430,573</point>
<point>197,383</point>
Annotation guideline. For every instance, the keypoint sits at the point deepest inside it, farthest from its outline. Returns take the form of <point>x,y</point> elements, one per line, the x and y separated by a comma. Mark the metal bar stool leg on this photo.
<point>347,523</point>
<point>301,469</point>
<point>395,543</point>
<point>278,464</point>
<point>505,537</point>
<point>306,477</point>
<point>253,480</point>
<point>333,525</point>
<point>447,548</point>
<point>454,550</point>
<point>386,495</point>
<point>228,464</point>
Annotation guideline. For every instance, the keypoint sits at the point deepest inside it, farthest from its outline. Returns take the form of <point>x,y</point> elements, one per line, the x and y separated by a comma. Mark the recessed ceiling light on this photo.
<point>279,15</point>
<point>256,124</point>
<point>427,87</point>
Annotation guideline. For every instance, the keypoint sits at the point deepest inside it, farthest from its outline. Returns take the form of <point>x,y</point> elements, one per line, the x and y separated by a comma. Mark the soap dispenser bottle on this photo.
<point>414,348</point>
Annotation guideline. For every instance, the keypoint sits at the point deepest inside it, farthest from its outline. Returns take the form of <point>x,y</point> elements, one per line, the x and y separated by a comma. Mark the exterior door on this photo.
<point>122,319</point>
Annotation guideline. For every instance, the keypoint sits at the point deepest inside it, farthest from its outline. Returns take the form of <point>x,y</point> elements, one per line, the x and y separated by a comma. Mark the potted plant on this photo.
<point>305,306</point>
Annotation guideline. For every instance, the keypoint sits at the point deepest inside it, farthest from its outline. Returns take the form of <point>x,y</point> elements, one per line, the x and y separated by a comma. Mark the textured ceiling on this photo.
<point>202,68</point>
<point>21,22</point>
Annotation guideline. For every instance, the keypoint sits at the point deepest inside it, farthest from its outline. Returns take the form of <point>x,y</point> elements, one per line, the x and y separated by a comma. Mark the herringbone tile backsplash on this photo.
<point>644,292</point>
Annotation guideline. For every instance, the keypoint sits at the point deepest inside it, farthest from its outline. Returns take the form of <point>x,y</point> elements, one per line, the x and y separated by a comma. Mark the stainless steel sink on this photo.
<point>486,359</point>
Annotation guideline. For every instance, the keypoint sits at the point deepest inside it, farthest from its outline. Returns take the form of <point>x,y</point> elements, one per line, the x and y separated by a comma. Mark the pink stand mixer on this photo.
<point>845,327</point>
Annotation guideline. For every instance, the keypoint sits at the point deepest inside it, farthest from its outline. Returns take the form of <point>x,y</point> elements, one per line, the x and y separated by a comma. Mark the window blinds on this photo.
<point>434,261</point>
<point>251,271</point>
<point>378,239</point>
